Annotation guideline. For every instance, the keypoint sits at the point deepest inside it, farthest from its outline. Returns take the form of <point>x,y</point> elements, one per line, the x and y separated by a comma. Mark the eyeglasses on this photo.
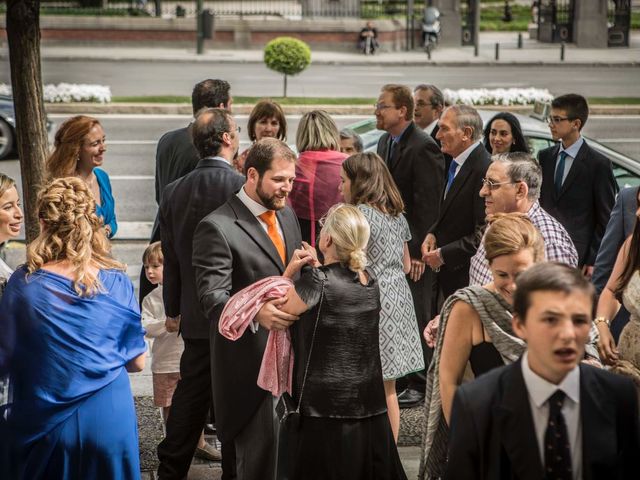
<point>494,185</point>
<point>421,104</point>
<point>557,120</point>
<point>238,129</point>
<point>382,106</point>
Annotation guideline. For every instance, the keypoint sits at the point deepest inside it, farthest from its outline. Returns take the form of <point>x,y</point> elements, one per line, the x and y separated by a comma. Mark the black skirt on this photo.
<point>337,449</point>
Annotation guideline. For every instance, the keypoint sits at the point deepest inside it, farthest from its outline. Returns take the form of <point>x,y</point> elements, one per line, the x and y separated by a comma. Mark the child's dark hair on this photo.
<point>152,252</point>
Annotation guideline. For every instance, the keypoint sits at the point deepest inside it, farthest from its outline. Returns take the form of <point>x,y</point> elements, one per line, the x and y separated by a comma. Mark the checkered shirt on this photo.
<point>558,246</point>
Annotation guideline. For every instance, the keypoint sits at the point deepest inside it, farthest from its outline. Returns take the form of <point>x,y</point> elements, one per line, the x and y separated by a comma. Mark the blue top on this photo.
<point>66,357</point>
<point>107,208</point>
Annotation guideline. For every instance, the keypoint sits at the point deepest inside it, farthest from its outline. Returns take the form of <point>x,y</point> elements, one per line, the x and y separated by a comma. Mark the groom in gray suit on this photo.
<point>252,236</point>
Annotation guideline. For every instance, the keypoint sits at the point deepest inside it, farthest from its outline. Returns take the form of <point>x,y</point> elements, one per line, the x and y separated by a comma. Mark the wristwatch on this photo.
<point>604,320</point>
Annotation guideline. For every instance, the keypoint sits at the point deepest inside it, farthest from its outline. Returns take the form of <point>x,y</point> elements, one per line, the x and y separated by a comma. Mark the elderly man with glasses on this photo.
<point>578,185</point>
<point>512,184</point>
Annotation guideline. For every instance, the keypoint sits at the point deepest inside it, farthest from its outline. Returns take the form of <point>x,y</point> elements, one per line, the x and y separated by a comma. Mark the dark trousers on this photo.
<point>421,291</point>
<point>257,444</point>
<point>190,405</point>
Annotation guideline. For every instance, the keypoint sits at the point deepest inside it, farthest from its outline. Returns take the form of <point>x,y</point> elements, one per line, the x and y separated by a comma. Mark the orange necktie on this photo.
<point>269,217</point>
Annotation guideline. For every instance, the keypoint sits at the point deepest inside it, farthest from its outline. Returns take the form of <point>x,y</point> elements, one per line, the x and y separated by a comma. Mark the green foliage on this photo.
<point>287,55</point>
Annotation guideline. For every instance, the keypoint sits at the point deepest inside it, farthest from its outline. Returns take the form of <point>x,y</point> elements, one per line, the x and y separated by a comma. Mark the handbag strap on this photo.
<point>313,338</point>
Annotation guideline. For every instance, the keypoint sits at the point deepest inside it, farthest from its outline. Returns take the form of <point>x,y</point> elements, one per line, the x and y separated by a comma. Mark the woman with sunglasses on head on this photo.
<point>503,134</point>
<point>265,120</point>
<point>317,171</point>
<point>79,148</point>
<point>367,183</point>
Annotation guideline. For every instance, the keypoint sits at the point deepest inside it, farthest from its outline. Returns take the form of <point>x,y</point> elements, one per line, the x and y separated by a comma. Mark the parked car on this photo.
<point>8,127</point>
<point>625,169</point>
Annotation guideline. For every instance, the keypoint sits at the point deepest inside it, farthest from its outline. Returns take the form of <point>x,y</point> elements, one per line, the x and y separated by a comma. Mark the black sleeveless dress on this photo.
<point>345,431</point>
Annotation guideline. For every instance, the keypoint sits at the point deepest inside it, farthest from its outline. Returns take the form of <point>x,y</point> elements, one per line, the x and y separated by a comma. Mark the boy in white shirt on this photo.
<point>167,346</point>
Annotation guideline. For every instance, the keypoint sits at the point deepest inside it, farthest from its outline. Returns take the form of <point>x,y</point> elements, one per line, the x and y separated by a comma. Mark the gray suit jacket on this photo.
<point>620,226</point>
<point>231,251</point>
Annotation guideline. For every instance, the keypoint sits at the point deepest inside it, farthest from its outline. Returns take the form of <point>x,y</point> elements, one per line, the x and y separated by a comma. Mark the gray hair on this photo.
<point>347,133</point>
<point>317,131</point>
<point>437,98</point>
<point>522,167</point>
<point>467,116</point>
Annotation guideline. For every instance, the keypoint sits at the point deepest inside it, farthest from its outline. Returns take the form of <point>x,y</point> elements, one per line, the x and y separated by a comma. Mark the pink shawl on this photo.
<point>276,369</point>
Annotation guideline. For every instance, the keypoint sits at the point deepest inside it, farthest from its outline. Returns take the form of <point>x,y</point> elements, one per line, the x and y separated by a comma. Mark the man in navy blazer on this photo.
<point>547,415</point>
<point>578,186</point>
<point>620,226</point>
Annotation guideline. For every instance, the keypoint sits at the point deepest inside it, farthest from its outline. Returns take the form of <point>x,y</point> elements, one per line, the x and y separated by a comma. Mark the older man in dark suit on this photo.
<point>578,186</point>
<point>547,415</point>
<point>184,203</point>
<point>176,155</point>
<point>250,237</point>
<point>454,238</point>
<point>417,167</point>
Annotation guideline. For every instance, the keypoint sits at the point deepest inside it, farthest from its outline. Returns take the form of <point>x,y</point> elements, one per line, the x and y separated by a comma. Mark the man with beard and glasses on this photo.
<point>252,236</point>
<point>184,203</point>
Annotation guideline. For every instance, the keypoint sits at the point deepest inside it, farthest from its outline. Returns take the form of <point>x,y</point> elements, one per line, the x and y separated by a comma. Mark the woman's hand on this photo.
<point>312,251</point>
<point>300,258</point>
<point>606,345</point>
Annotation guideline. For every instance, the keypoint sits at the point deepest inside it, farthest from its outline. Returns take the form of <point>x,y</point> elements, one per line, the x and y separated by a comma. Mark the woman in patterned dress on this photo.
<point>367,183</point>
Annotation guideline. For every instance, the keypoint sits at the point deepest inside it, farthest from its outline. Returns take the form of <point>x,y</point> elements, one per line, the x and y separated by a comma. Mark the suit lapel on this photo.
<point>597,414</point>
<point>289,229</point>
<point>514,421</point>
<point>459,180</point>
<point>252,227</point>
<point>577,166</point>
<point>548,172</point>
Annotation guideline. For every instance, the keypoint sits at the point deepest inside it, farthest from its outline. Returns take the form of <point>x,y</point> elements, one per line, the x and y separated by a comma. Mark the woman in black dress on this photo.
<point>344,428</point>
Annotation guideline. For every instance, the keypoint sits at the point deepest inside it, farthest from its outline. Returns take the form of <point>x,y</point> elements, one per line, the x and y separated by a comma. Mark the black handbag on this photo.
<point>286,409</point>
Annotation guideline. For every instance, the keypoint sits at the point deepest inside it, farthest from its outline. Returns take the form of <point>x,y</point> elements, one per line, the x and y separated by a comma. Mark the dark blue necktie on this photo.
<point>392,149</point>
<point>450,176</point>
<point>557,451</point>
<point>560,171</point>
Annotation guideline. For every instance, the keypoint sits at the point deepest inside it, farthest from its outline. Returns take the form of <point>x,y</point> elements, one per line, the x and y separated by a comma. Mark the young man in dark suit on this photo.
<point>176,155</point>
<point>184,203</point>
<point>547,415</point>
<point>252,236</point>
<point>454,238</point>
<point>417,167</point>
<point>578,186</point>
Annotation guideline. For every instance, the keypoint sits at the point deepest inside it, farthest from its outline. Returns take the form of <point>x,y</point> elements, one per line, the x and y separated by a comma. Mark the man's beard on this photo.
<point>269,202</point>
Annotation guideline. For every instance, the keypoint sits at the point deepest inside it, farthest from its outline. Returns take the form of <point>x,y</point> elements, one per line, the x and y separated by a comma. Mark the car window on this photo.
<point>624,177</point>
<point>536,144</point>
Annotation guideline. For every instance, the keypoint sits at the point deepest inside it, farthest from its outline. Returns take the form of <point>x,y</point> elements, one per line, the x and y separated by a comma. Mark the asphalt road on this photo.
<point>129,78</point>
<point>131,141</point>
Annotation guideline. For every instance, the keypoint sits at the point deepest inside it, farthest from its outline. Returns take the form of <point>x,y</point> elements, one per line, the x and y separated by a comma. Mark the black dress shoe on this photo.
<point>410,398</point>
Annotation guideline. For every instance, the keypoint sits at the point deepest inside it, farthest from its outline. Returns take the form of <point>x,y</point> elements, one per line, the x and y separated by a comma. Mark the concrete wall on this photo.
<point>590,24</point>
<point>248,33</point>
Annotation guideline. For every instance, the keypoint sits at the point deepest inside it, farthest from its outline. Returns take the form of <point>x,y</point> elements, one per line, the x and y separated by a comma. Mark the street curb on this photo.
<point>348,63</point>
<point>245,109</point>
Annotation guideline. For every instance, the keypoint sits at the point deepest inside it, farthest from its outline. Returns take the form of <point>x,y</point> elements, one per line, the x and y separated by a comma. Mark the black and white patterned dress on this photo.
<point>400,348</point>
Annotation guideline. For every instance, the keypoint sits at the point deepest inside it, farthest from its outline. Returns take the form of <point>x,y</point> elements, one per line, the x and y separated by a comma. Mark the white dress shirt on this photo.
<point>571,152</point>
<point>539,391</point>
<point>460,159</point>
<point>429,128</point>
<point>258,209</point>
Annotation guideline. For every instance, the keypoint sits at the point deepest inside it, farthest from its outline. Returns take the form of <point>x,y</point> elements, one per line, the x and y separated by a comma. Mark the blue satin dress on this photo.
<point>107,208</point>
<point>72,414</point>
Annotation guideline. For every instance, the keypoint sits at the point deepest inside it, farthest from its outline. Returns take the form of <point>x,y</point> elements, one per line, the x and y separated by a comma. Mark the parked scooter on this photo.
<point>430,28</point>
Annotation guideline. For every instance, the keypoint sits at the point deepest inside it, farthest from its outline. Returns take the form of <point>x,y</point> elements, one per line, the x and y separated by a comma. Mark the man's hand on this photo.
<point>433,260</point>
<point>587,271</point>
<point>172,324</point>
<point>429,245</point>
<point>272,318</point>
<point>431,332</point>
<point>417,269</point>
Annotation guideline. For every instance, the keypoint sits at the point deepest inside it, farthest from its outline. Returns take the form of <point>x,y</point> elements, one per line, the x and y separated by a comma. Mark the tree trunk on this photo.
<point>23,35</point>
<point>285,86</point>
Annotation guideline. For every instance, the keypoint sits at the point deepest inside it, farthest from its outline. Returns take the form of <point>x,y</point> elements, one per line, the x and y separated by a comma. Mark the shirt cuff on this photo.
<point>440,255</point>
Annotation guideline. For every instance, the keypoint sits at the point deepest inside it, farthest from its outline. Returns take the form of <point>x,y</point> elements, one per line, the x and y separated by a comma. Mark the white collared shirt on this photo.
<point>460,159</point>
<point>218,158</point>
<point>258,209</point>
<point>539,391</point>
<point>429,128</point>
<point>571,152</point>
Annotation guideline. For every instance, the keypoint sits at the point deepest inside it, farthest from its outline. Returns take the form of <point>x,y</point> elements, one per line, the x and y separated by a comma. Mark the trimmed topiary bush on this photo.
<point>288,56</point>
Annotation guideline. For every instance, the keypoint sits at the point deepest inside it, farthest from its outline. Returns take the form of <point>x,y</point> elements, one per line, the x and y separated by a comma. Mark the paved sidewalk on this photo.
<point>532,53</point>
